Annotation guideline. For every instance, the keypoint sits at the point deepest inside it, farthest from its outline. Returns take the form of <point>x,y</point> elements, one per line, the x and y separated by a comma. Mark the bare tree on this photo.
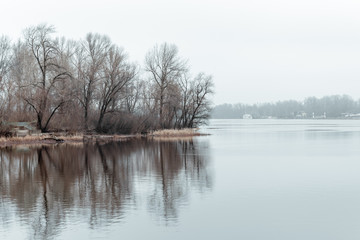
<point>69,113</point>
<point>195,103</point>
<point>46,76</point>
<point>132,95</point>
<point>90,62</point>
<point>117,74</point>
<point>5,58</point>
<point>200,106</point>
<point>172,106</point>
<point>165,67</point>
<point>186,91</point>
<point>20,79</point>
<point>5,55</point>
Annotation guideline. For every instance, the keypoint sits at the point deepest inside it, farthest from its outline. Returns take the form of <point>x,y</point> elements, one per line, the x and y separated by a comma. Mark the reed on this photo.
<point>20,139</point>
<point>186,132</point>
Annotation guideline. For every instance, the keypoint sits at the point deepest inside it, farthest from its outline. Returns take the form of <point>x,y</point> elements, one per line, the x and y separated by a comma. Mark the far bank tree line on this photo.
<point>90,85</point>
<point>335,106</point>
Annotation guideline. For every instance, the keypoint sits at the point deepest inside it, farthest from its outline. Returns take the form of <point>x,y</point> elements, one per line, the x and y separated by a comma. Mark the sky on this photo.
<point>256,50</point>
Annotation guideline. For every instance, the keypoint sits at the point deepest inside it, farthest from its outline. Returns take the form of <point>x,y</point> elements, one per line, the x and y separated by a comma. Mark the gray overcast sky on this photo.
<point>256,50</point>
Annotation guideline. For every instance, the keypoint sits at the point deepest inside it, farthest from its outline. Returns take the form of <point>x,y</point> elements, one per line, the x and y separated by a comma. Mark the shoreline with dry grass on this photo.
<point>58,138</point>
<point>185,132</point>
<point>175,134</point>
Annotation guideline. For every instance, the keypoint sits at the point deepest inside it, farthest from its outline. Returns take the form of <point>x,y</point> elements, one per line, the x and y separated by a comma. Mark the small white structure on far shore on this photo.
<point>247,116</point>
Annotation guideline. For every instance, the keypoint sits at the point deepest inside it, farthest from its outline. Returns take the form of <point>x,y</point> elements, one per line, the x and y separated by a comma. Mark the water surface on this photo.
<point>250,179</point>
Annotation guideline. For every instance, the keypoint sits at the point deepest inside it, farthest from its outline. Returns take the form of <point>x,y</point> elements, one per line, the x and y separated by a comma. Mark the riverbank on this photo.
<point>58,138</point>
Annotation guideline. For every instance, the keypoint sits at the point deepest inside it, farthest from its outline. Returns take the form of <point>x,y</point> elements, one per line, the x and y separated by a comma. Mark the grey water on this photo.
<point>248,179</point>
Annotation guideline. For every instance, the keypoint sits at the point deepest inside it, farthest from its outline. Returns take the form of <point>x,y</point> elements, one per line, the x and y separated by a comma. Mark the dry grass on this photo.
<point>79,137</point>
<point>39,139</point>
<point>109,138</point>
<point>172,139</point>
<point>20,139</point>
<point>186,132</point>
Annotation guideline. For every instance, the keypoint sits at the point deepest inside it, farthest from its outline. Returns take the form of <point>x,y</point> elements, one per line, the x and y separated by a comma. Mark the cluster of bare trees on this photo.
<point>91,85</point>
<point>179,99</point>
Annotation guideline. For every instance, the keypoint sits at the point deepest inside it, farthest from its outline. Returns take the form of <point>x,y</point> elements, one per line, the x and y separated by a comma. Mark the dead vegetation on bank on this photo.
<point>175,134</point>
<point>186,132</point>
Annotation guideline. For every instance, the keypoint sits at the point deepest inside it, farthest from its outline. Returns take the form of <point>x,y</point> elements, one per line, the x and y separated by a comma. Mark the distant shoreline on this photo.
<point>327,107</point>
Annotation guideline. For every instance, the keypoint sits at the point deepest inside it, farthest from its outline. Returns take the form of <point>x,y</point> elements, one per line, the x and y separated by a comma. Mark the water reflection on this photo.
<point>98,183</point>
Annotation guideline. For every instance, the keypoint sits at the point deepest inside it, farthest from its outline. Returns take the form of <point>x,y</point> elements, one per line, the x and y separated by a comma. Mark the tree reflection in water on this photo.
<point>99,183</point>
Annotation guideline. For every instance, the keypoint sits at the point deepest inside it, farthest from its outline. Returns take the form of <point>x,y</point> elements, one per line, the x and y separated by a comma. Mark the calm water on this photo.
<point>250,179</point>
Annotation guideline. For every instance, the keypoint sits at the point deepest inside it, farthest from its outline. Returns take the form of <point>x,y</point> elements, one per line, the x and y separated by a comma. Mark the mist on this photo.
<point>257,51</point>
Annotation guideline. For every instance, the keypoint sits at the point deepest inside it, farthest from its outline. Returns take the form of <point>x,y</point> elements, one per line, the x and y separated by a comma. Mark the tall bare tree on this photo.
<point>5,48</point>
<point>117,74</point>
<point>200,105</point>
<point>186,91</point>
<point>195,103</point>
<point>5,58</point>
<point>165,67</point>
<point>20,82</point>
<point>90,63</point>
<point>46,76</point>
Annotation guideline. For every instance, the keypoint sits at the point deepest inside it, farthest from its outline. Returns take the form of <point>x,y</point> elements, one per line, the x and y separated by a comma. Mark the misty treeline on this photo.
<point>335,106</point>
<point>90,85</point>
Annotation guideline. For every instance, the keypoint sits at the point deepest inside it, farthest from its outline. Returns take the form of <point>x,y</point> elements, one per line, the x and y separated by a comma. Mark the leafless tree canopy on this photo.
<point>90,85</point>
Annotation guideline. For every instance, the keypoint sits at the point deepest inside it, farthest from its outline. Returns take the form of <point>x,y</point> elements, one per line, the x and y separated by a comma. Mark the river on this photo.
<point>248,179</point>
